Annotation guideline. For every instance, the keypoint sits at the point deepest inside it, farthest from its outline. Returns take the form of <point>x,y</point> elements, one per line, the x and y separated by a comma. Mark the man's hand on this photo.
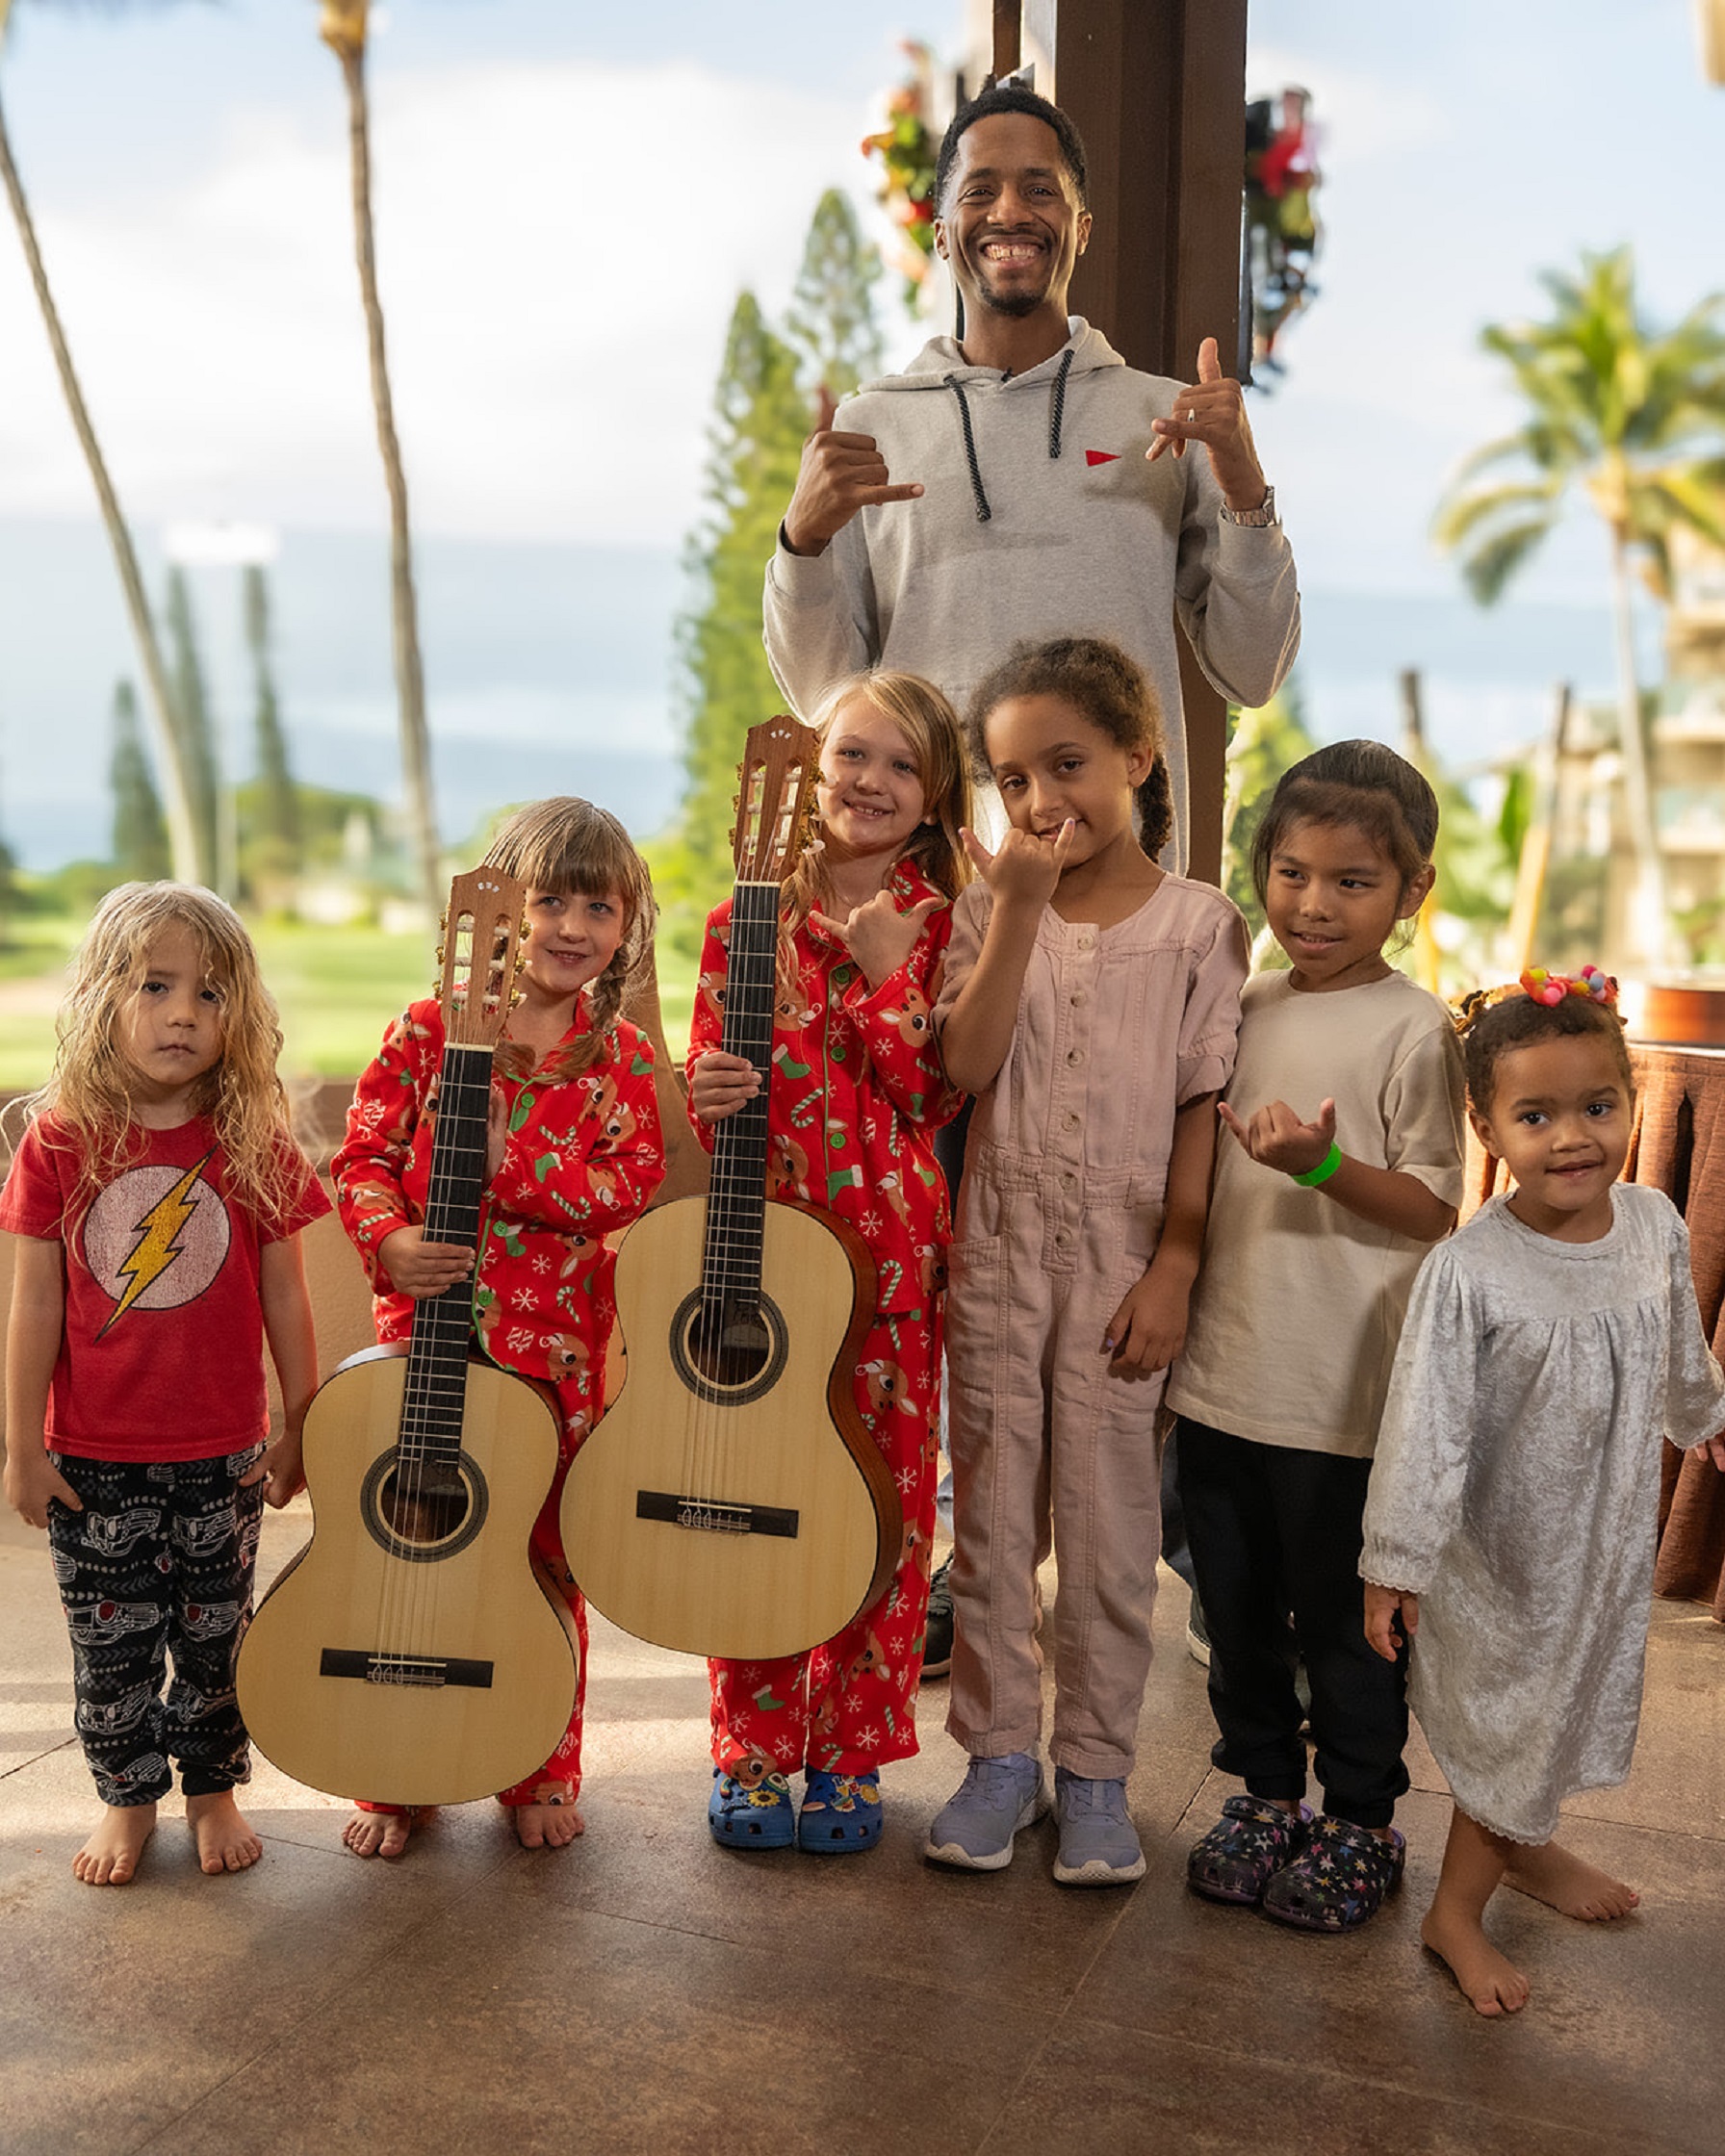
<point>839,475</point>
<point>1278,1137</point>
<point>419,1268</point>
<point>878,936</point>
<point>31,1479</point>
<point>1213,411</point>
<point>719,1085</point>
<point>1382,1605</point>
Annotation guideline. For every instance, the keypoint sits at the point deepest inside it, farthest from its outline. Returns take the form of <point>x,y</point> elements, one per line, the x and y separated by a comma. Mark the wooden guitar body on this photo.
<point>405,1656</point>
<point>411,1654</point>
<point>732,1501</point>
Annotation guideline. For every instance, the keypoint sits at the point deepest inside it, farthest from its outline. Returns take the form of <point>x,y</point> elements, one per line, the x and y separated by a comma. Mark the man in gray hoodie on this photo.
<point>1027,484</point>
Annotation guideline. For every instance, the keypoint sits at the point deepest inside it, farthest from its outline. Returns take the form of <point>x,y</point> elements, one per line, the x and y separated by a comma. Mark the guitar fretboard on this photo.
<point>435,1396</point>
<point>736,1199</point>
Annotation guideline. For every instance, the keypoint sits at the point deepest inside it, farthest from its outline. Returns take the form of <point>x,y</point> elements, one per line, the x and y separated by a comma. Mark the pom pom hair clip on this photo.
<point>1541,986</point>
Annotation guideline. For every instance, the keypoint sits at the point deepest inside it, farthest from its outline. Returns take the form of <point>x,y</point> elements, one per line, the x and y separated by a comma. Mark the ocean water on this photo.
<point>550,669</point>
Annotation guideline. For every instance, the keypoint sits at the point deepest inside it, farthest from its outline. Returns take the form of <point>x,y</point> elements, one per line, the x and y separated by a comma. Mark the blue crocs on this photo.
<point>745,1817</point>
<point>841,1813</point>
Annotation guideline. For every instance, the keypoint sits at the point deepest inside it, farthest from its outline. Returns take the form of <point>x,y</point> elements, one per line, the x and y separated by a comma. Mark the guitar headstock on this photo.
<point>479,954</point>
<point>775,787</point>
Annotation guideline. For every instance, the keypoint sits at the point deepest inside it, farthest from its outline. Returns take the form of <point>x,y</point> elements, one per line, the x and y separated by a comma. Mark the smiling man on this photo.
<point>1026,482</point>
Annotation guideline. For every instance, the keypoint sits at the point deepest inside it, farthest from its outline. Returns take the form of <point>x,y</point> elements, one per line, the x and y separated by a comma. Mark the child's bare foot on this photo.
<point>1558,1876</point>
<point>551,1821</point>
<point>225,1842</point>
<point>379,1833</point>
<point>1493,1983</point>
<point>110,1857</point>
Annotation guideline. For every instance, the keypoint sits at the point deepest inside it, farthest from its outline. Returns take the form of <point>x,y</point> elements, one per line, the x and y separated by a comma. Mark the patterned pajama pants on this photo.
<point>158,1565</point>
<point>850,1705</point>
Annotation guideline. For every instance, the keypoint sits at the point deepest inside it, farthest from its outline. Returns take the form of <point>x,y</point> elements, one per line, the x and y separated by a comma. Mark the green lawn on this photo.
<point>338,989</point>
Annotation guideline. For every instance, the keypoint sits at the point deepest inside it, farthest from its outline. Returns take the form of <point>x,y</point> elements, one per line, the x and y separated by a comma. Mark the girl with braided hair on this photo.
<point>575,1154</point>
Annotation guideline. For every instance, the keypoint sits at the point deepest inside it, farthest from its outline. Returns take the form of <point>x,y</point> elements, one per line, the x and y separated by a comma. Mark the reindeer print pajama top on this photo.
<point>584,1154</point>
<point>857,1096</point>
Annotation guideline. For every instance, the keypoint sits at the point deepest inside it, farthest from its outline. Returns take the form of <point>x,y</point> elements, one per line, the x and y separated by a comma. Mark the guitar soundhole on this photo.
<point>423,1511</point>
<point>728,1351</point>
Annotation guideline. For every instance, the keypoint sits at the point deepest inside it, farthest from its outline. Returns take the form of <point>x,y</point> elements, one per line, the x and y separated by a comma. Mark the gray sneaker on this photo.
<point>975,1830</point>
<point>1098,1843</point>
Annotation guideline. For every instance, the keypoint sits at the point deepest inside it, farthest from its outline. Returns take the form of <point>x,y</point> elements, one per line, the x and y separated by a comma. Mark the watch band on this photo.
<point>1255,519</point>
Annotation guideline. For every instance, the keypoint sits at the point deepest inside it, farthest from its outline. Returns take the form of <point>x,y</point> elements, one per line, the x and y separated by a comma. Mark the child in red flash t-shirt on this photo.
<point>156,1202</point>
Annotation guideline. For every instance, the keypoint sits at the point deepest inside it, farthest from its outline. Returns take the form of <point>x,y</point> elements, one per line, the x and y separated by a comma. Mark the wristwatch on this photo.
<point>1255,519</point>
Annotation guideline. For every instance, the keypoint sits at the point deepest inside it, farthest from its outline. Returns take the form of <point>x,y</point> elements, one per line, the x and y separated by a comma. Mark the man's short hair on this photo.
<point>1009,97</point>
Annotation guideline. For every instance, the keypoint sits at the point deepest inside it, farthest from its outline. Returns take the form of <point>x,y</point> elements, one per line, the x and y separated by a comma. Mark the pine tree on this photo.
<point>762,410</point>
<point>275,849</point>
<point>140,850</point>
<point>831,322</point>
<point>193,729</point>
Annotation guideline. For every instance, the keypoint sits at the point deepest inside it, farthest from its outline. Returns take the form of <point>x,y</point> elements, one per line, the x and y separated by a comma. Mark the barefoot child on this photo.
<point>1090,1004</point>
<point>851,1118</point>
<point>575,1153</point>
<point>157,1199</point>
<point>1513,1507</point>
<point>1343,1166</point>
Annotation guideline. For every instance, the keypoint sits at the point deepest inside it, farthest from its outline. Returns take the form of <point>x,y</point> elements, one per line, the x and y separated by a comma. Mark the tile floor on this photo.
<point>647,1991</point>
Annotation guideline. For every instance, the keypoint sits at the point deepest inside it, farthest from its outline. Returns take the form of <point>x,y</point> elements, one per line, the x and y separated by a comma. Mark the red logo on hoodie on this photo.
<point>1101,457</point>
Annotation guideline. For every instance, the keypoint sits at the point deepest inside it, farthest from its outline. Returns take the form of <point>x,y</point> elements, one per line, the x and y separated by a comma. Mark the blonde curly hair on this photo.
<point>89,1089</point>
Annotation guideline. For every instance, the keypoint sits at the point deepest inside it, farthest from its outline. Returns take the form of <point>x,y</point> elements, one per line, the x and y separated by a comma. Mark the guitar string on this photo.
<point>738,1195</point>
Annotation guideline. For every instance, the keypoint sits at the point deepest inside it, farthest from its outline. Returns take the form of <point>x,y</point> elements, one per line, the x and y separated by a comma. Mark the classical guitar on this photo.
<point>732,1501</point>
<point>410,1653</point>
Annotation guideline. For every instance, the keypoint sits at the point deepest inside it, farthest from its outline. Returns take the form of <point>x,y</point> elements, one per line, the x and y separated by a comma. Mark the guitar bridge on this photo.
<point>717,1515</point>
<point>404,1669</point>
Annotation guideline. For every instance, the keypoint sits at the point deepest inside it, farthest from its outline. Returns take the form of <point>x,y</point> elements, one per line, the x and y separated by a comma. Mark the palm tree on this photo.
<point>189,865</point>
<point>342,26</point>
<point>1634,418</point>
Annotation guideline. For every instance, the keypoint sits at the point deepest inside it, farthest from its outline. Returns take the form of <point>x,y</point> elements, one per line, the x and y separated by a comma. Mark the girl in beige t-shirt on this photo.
<point>1346,1104</point>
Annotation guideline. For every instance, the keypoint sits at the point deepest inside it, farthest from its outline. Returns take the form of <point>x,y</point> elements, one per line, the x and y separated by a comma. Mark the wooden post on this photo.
<point>1157,89</point>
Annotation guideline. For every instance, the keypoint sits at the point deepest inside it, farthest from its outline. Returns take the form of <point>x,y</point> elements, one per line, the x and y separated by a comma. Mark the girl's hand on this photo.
<point>419,1268</point>
<point>1024,867</point>
<point>1383,1604</point>
<point>878,936</point>
<point>31,1481</point>
<point>719,1085</point>
<point>1149,1330</point>
<point>1715,1451</point>
<point>496,1130</point>
<point>280,1470</point>
<point>1277,1136</point>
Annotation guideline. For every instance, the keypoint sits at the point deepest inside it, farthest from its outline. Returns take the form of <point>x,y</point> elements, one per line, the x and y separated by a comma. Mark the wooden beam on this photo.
<point>1008,37</point>
<point>1157,89</point>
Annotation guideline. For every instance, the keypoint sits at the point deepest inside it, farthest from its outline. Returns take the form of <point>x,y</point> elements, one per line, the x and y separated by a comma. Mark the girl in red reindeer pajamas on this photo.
<point>856,1099</point>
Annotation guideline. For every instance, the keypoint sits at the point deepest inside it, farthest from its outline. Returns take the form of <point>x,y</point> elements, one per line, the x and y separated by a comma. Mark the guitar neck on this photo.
<point>736,1200</point>
<point>436,1389</point>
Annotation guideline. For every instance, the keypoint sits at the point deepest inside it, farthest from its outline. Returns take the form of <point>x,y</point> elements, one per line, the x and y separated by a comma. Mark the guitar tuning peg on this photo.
<point>437,986</point>
<point>440,950</point>
<point>517,997</point>
<point>443,922</point>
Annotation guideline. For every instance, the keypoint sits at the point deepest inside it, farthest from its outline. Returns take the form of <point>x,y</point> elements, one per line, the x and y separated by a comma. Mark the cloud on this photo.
<point>559,252</point>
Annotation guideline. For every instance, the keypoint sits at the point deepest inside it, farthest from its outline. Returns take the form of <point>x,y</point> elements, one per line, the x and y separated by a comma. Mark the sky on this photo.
<point>569,197</point>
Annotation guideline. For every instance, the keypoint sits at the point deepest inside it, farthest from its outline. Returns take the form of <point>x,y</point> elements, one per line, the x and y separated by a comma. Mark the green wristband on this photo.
<point>1325,1169</point>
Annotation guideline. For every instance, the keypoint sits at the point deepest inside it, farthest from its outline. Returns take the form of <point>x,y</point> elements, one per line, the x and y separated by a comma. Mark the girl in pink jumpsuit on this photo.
<point>856,1097</point>
<point>1091,1003</point>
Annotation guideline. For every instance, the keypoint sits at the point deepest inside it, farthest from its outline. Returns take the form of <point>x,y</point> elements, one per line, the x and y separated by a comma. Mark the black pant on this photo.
<point>1275,1529</point>
<point>161,1559</point>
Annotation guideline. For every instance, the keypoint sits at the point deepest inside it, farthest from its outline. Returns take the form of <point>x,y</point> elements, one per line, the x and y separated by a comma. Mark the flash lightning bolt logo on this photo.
<point>157,1245</point>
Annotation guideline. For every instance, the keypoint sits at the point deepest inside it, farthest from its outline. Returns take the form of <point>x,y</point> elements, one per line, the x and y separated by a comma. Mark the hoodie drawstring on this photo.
<point>1057,405</point>
<point>982,512</point>
<point>1057,402</point>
